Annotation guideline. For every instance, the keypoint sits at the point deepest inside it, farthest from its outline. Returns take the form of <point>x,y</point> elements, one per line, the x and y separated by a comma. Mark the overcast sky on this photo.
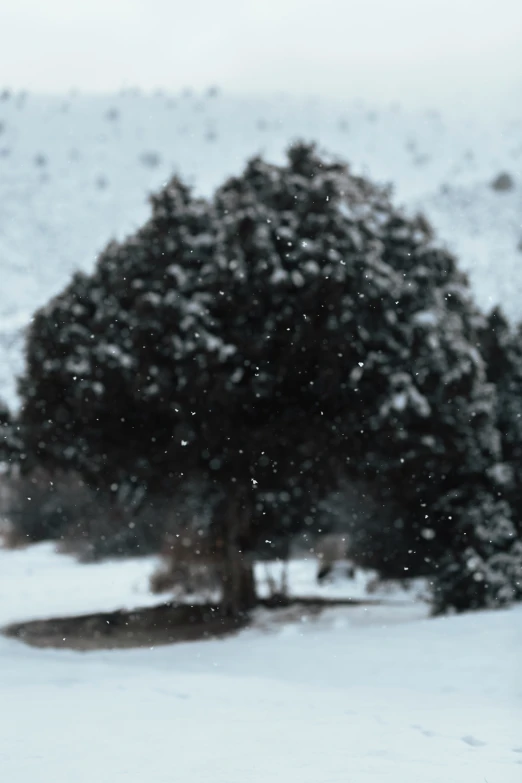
<point>336,48</point>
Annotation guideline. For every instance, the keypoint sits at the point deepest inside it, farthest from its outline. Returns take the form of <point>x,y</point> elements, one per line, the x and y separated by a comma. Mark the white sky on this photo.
<point>333,47</point>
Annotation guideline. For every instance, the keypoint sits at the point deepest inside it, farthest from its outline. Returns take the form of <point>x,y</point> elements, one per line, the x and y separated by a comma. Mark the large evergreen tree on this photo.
<point>293,330</point>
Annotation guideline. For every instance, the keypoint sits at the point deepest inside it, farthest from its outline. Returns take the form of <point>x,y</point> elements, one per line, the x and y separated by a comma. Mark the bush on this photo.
<point>114,530</point>
<point>10,442</point>
<point>41,506</point>
<point>503,182</point>
<point>378,538</point>
<point>467,581</point>
<point>58,506</point>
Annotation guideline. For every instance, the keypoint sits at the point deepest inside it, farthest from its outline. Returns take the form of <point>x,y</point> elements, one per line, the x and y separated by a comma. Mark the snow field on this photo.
<point>362,694</point>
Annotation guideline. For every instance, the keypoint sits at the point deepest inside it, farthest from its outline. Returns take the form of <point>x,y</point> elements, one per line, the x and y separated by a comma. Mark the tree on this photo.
<point>5,420</point>
<point>293,330</point>
<point>501,346</point>
<point>10,444</point>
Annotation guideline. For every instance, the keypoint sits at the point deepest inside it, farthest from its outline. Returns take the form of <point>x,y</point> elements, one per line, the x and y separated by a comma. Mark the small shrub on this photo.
<point>115,529</point>
<point>503,182</point>
<point>112,114</point>
<point>42,506</point>
<point>150,159</point>
<point>467,581</point>
<point>191,564</point>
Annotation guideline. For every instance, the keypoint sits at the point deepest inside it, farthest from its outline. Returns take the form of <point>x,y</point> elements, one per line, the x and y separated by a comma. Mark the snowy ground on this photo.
<point>75,171</point>
<point>362,695</point>
<point>36,582</point>
<point>52,585</point>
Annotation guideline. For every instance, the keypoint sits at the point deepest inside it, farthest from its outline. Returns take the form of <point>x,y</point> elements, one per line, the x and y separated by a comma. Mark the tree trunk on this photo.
<point>239,591</point>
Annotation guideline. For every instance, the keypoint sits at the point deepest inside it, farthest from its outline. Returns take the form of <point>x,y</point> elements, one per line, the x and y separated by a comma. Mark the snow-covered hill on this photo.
<point>75,171</point>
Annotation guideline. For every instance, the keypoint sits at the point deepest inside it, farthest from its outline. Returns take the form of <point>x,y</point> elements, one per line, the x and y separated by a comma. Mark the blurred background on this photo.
<point>101,102</point>
<point>374,49</point>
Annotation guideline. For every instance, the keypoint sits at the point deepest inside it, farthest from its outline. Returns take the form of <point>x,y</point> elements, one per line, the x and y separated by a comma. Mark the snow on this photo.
<point>55,153</point>
<point>361,694</point>
<point>426,318</point>
<point>49,584</point>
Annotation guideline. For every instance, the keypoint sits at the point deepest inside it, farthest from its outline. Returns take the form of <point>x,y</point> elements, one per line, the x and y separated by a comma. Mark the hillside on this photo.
<point>75,171</point>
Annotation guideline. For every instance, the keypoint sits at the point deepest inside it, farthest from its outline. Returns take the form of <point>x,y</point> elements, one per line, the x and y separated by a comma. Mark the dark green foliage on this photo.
<point>293,330</point>
<point>502,349</point>
<point>12,454</point>
<point>5,421</point>
<point>41,506</point>
<point>467,581</point>
<point>58,506</point>
<point>483,567</point>
<point>9,440</point>
<point>374,524</point>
